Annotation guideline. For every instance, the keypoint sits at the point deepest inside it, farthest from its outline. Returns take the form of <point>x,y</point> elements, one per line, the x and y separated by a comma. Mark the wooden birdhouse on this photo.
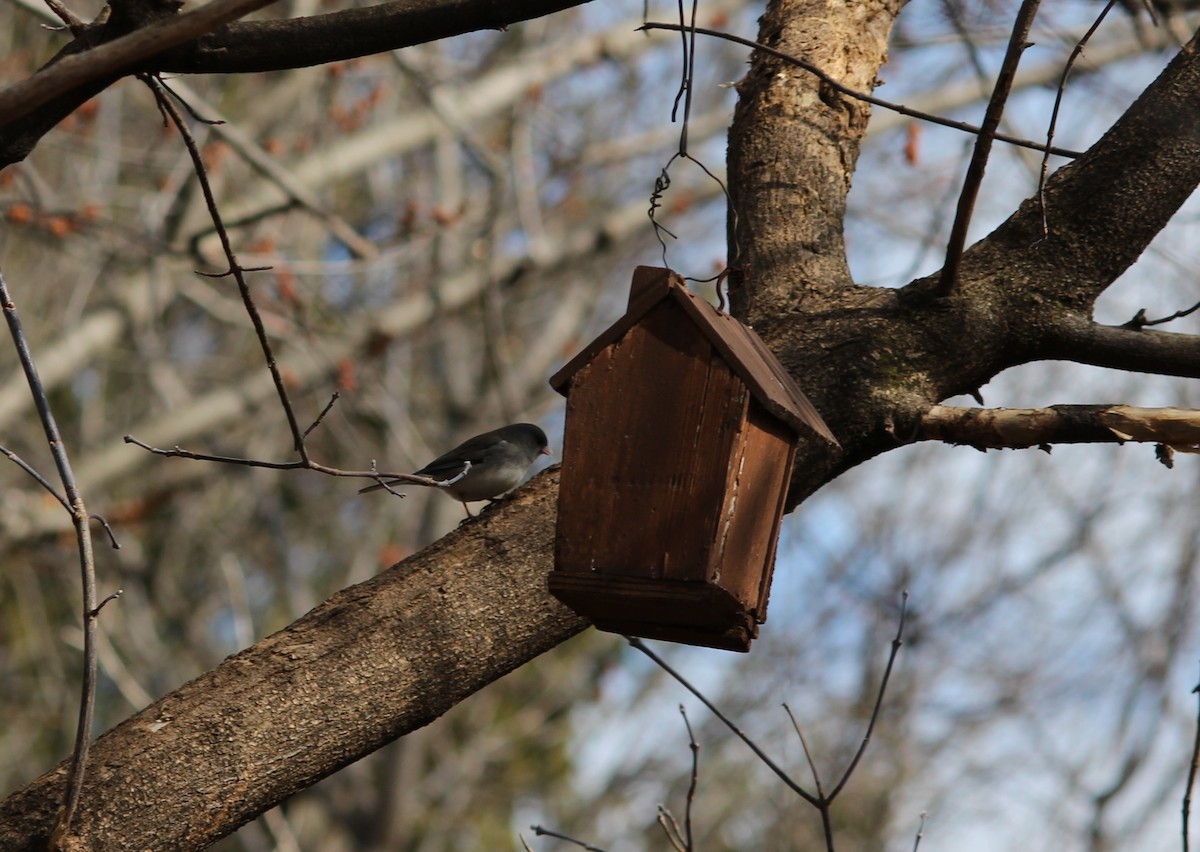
<point>681,432</point>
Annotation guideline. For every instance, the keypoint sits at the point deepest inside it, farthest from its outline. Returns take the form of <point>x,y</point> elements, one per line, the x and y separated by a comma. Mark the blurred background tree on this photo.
<point>445,225</point>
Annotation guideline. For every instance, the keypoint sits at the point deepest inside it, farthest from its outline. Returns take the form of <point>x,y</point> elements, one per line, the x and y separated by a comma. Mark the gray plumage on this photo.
<point>498,462</point>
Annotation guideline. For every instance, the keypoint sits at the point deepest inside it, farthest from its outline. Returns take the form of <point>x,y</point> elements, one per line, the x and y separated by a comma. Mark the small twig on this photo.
<point>112,538</point>
<point>758,752</point>
<point>42,481</point>
<point>74,23</point>
<point>211,122</point>
<point>329,405</point>
<point>670,828</point>
<point>417,479</point>
<point>823,801</point>
<point>887,673</point>
<point>180,453</point>
<point>228,272</point>
<point>1017,43</point>
<point>87,568</point>
<point>1191,779</point>
<point>843,89</point>
<point>1139,319</point>
<point>545,832</point>
<point>1076,52</point>
<point>524,843</point>
<point>691,793</point>
<point>234,268</point>
<point>807,754</point>
<point>107,601</point>
<point>920,832</point>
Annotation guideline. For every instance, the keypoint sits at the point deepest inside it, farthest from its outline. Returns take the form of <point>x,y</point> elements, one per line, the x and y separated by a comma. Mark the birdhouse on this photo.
<point>681,432</point>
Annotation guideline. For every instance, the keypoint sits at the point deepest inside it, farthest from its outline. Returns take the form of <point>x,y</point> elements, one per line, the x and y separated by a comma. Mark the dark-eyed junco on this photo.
<point>495,462</point>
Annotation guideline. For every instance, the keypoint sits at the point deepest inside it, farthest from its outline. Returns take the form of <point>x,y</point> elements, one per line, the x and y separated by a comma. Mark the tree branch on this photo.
<point>30,108</point>
<point>116,57</point>
<point>1073,338</point>
<point>1017,43</point>
<point>1021,428</point>
<point>357,668</point>
<point>1104,208</point>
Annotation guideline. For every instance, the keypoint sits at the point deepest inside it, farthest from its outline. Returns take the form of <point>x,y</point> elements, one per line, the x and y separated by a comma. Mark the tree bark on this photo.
<point>103,52</point>
<point>373,662</point>
<point>874,360</point>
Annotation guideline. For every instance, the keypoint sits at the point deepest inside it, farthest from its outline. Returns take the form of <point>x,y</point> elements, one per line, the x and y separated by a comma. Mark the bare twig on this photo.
<point>380,476</point>
<point>691,793</point>
<point>670,828</point>
<point>821,802</point>
<point>87,567</point>
<point>826,820</point>
<point>1139,319</point>
<point>1191,779</point>
<point>328,407</point>
<point>807,754</point>
<point>42,481</point>
<point>237,271</point>
<point>1076,52</point>
<point>843,89</point>
<point>545,832</point>
<point>758,752</point>
<point>920,832</point>
<point>1017,43</point>
<point>74,22</point>
<point>887,673</point>
<point>166,105</point>
<point>107,600</point>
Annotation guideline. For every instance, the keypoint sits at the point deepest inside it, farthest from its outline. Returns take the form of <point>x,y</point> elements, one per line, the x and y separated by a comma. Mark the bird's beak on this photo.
<point>546,451</point>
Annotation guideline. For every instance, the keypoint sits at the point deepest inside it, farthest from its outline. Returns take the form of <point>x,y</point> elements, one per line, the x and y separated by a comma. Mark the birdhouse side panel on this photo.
<point>651,422</point>
<point>758,489</point>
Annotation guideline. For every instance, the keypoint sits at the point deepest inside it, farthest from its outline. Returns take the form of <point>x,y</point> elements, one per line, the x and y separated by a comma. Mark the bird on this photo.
<point>483,467</point>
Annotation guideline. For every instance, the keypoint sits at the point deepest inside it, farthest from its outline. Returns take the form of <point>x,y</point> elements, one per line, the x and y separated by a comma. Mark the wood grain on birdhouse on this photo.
<point>680,436</point>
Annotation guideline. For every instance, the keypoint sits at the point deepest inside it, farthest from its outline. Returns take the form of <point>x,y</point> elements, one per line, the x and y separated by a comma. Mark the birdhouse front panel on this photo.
<point>649,480</point>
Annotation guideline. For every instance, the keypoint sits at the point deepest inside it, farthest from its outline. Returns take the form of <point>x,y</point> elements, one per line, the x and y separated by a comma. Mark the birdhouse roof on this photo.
<point>742,349</point>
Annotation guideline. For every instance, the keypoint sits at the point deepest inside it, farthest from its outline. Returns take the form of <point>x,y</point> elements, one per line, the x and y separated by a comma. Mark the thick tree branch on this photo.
<point>255,46</point>
<point>1020,428</point>
<point>1074,338</point>
<point>1104,208</point>
<point>29,109</point>
<point>350,676</point>
<point>108,61</point>
<point>867,356</point>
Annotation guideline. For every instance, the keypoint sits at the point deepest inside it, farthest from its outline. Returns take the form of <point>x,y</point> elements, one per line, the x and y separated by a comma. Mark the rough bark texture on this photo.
<point>388,656</point>
<point>373,662</point>
<point>872,360</point>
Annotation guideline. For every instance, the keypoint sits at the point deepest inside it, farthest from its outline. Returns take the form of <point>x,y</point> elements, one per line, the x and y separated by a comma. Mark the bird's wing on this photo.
<point>450,464</point>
